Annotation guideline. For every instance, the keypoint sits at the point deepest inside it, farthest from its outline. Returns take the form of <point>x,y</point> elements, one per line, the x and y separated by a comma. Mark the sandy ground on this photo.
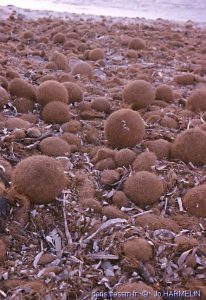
<point>74,247</point>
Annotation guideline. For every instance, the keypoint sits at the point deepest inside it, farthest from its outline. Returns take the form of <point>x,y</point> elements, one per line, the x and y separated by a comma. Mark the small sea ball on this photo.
<point>13,123</point>
<point>124,157</point>
<point>21,88</point>
<point>71,139</point>
<point>51,90</point>
<point>60,61</point>
<point>138,94</point>
<point>160,147</point>
<point>144,161</point>
<point>197,101</point>
<point>143,188</point>
<point>101,104</point>
<point>59,38</point>
<point>194,201</point>
<point>124,128</point>
<point>109,177</point>
<point>120,199</point>
<point>138,248</point>
<point>72,126</point>
<point>3,82</point>
<point>7,166</point>
<point>83,69</point>
<point>137,44</point>
<point>40,178</point>
<point>165,93</point>
<point>75,94</point>
<point>4,97</point>
<point>23,105</point>
<point>112,212</point>
<point>54,146</point>
<point>56,112</point>
<point>190,146</point>
<point>92,204</point>
<point>96,54</point>
<point>185,79</point>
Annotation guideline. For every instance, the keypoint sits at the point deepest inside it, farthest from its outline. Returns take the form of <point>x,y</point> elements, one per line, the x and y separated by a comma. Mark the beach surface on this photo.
<point>120,106</point>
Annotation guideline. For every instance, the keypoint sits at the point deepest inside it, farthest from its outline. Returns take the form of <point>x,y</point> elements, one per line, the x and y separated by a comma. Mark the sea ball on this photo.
<point>75,93</point>
<point>59,38</point>
<point>144,161</point>
<point>54,146</point>
<point>101,104</point>
<point>197,101</point>
<point>185,79</point>
<point>160,147</point>
<point>137,44</point>
<point>56,112</point>
<point>124,128</point>
<point>138,248</point>
<point>13,123</point>
<point>83,69</point>
<point>124,157</point>
<point>190,146</point>
<point>60,61</point>
<point>165,93</point>
<point>194,201</point>
<point>40,178</point>
<point>21,88</point>
<point>51,90</point>
<point>143,188</point>
<point>96,54</point>
<point>138,94</point>
<point>23,105</point>
<point>4,97</point>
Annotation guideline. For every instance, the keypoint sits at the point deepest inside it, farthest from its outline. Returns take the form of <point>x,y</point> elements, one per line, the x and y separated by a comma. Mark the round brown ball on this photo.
<point>112,212</point>
<point>185,79</point>
<point>195,202</point>
<point>160,147</point>
<point>56,112</point>
<point>23,105</point>
<point>197,101</point>
<point>83,69</point>
<point>96,54</point>
<point>40,178</point>
<point>138,248</point>
<point>120,199</point>
<point>60,61</point>
<point>101,104</point>
<point>72,126</point>
<point>7,167</point>
<point>136,44</point>
<point>143,188</point>
<point>124,128</point>
<point>54,146</point>
<point>51,90</point>
<point>71,139</point>
<point>75,94</point>
<point>21,88</point>
<point>138,94</point>
<point>109,177</point>
<point>92,204</point>
<point>3,82</point>
<point>4,97</point>
<point>190,146</point>
<point>59,38</point>
<point>13,123</point>
<point>165,93</point>
<point>144,161</point>
<point>124,157</point>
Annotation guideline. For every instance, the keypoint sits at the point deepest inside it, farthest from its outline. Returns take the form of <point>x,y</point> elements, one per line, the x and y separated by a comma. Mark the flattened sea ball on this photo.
<point>101,104</point>
<point>54,146</point>
<point>72,126</point>
<point>144,161</point>
<point>59,38</point>
<point>138,248</point>
<point>96,54</point>
<point>139,94</point>
<point>23,105</point>
<point>164,92</point>
<point>60,61</point>
<point>82,69</point>
<point>56,112</point>
<point>160,147</point>
<point>143,188</point>
<point>40,178</point>
<point>75,94</point>
<point>21,88</point>
<point>4,97</point>
<point>136,44</point>
<point>190,146</point>
<point>185,79</point>
<point>195,201</point>
<point>124,128</point>
<point>124,157</point>
<point>51,90</point>
<point>197,101</point>
<point>13,123</point>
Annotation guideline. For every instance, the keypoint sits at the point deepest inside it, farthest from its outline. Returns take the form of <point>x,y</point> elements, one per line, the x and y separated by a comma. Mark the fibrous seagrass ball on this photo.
<point>75,94</point>
<point>138,94</point>
<point>40,178</point>
<point>92,204</point>
<point>185,79</point>
<point>3,82</point>
<point>143,188</point>
<point>54,146</point>
<point>4,97</point>
<point>56,112</point>
<point>144,161</point>
<point>120,199</point>
<point>21,88</point>
<point>59,38</point>
<point>164,92</point>
<point>138,248</point>
<point>83,69</point>
<point>72,139</point>
<point>96,54</point>
<point>137,44</point>
<point>195,202</point>
<point>72,126</point>
<point>13,123</point>
<point>109,177</point>
<point>112,212</point>
<point>51,90</point>
<point>124,157</point>
<point>7,167</point>
<point>197,101</point>
<point>160,147</point>
<point>127,291</point>
<point>101,104</point>
<point>23,105</point>
<point>124,128</point>
<point>190,146</point>
<point>60,61</point>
